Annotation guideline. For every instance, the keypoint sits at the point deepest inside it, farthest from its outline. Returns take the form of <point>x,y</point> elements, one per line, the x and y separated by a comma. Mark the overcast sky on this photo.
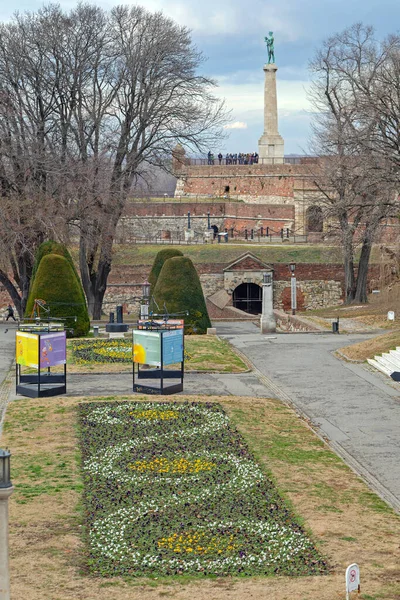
<point>231,35</point>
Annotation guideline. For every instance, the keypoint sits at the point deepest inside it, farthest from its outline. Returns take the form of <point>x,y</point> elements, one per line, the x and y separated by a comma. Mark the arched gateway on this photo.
<point>243,283</point>
<point>248,297</point>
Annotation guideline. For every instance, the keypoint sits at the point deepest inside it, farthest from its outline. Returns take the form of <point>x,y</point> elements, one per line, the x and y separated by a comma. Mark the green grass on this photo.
<point>226,253</point>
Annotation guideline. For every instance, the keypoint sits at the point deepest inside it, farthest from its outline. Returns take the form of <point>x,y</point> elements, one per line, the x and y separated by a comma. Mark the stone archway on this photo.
<point>314,219</point>
<point>248,297</point>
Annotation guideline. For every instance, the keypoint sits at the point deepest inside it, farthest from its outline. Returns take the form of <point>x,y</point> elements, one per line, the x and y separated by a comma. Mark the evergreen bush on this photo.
<point>158,264</point>
<point>179,287</point>
<point>57,284</point>
<point>52,247</point>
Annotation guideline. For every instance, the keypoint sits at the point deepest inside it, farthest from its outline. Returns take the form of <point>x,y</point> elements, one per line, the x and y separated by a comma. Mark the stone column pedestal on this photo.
<point>5,493</point>
<point>270,144</point>
<point>267,321</point>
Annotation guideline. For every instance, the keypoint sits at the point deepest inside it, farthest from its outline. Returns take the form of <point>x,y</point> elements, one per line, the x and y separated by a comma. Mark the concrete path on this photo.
<point>7,347</point>
<point>357,410</point>
<point>244,384</point>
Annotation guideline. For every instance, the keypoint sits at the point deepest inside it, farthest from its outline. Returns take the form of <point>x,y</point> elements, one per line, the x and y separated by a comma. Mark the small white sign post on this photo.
<point>352,580</point>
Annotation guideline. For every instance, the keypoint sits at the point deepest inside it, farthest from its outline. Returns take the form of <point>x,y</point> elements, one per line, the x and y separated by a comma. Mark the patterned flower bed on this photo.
<point>172,488</point>
<point>101,351</point>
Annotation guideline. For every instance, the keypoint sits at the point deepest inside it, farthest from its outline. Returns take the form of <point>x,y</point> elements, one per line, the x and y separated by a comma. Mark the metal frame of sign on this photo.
<point>40,385</point>
<point>160,373</point>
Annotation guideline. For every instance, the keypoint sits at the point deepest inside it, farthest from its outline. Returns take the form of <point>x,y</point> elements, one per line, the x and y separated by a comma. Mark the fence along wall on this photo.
<point>148,219</point>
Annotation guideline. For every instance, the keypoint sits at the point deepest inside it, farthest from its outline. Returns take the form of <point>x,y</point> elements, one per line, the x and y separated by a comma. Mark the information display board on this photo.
<point>53,349</point>
<point>175,323</point>
<point>172,346</point>
<point>27,349</point>
<point>147,347</point>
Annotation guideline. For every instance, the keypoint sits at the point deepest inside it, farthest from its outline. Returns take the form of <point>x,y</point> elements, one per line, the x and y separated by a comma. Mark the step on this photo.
<point>379,367</point>
<point>391,360</point>
<point>395,353</point>
<point>386,363</point>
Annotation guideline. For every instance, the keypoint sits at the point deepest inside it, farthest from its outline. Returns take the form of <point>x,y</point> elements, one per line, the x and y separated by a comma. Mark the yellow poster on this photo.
<point>27,349</point>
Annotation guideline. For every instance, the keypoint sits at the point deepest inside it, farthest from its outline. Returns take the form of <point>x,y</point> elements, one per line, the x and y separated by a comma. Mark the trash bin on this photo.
<point>95,331</point>
<point>335,326</point>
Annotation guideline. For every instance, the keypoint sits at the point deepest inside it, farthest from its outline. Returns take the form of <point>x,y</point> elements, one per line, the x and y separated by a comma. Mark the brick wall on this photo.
<point>253,183</point>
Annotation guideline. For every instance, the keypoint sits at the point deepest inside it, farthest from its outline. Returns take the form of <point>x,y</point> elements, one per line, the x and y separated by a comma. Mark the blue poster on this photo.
<point>172,346</point>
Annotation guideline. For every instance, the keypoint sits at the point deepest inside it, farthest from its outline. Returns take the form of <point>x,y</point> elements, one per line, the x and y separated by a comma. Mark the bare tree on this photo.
<point>90,100</point>
<point>356,181</point>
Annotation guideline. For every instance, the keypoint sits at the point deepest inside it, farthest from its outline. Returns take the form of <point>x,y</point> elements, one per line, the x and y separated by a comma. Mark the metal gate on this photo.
<point>248,297</point>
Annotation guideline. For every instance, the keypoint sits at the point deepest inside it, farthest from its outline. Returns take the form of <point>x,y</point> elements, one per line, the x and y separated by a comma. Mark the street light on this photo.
<point>146,290</point>
<point>188,219</point>
<point>267,278</point>
<point>144,307</point>
<point>292,267</point>
<point>208,220</point>
<point>6,489</point>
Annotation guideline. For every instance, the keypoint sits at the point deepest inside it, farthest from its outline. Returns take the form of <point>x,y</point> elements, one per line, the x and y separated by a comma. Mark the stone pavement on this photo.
<point>357,410</point>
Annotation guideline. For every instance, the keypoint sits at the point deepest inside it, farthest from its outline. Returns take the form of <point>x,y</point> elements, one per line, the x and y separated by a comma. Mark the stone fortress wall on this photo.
<point>318,285</point>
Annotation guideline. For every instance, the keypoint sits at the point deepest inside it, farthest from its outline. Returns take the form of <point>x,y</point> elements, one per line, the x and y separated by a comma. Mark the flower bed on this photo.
<point>101,351</point>
<point>172,488</point>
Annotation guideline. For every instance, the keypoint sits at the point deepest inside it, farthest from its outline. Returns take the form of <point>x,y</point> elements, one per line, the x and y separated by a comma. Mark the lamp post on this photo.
<point>188,219</point>
<point>208,220</point>
<point>268,323</point>
<point>6,489</point>
<point>292,267</point>
<point>144,307</point>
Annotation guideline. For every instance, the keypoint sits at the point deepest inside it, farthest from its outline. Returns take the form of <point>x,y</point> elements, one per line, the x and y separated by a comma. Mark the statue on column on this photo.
<point>270,47</point>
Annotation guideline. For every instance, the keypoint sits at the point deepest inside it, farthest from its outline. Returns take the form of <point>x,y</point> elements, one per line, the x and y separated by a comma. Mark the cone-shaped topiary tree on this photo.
<point>158,264</point>
<point>178,286</point>
<point>51,247</point>
<point>57,284</point>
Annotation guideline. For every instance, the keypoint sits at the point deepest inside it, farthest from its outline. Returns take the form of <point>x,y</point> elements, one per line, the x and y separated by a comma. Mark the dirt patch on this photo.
<point>346,520</point>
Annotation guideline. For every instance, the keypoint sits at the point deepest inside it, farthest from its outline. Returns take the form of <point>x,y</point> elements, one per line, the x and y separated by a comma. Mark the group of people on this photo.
<point>234,159</point>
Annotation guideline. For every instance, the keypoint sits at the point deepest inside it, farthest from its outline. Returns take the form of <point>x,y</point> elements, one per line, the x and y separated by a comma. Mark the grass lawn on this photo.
<point>48,556</point>
<point>226,253</point>
<point>202,353</point>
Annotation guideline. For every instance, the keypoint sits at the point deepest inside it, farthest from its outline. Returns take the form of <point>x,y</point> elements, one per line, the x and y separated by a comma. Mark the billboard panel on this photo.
<point>172,346</point>
<point>53,349</point>
<point>27,349</point>
<point>179,323</point>
<point>147,347</point>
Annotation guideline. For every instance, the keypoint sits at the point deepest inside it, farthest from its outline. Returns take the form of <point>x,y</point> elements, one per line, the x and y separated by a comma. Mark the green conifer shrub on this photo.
<point>57,284</point>
<point>158,264</point>
<point>52,247</point>
<point>178,286</point>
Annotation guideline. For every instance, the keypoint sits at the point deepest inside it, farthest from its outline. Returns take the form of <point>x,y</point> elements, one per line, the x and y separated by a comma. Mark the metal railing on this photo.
<point>289,160</point>
<point>260,235</point>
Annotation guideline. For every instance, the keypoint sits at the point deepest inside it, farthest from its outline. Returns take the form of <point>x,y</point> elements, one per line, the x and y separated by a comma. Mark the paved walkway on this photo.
<point>357,410</point>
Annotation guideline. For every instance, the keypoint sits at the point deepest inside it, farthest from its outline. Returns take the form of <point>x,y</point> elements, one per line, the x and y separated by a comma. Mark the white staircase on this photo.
<point>388,363</point>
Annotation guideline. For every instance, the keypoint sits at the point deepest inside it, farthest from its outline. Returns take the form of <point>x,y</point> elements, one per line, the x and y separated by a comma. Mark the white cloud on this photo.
<point>236,125</point>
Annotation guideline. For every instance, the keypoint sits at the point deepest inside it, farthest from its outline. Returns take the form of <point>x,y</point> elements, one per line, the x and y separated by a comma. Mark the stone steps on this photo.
<point>388,363</point>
